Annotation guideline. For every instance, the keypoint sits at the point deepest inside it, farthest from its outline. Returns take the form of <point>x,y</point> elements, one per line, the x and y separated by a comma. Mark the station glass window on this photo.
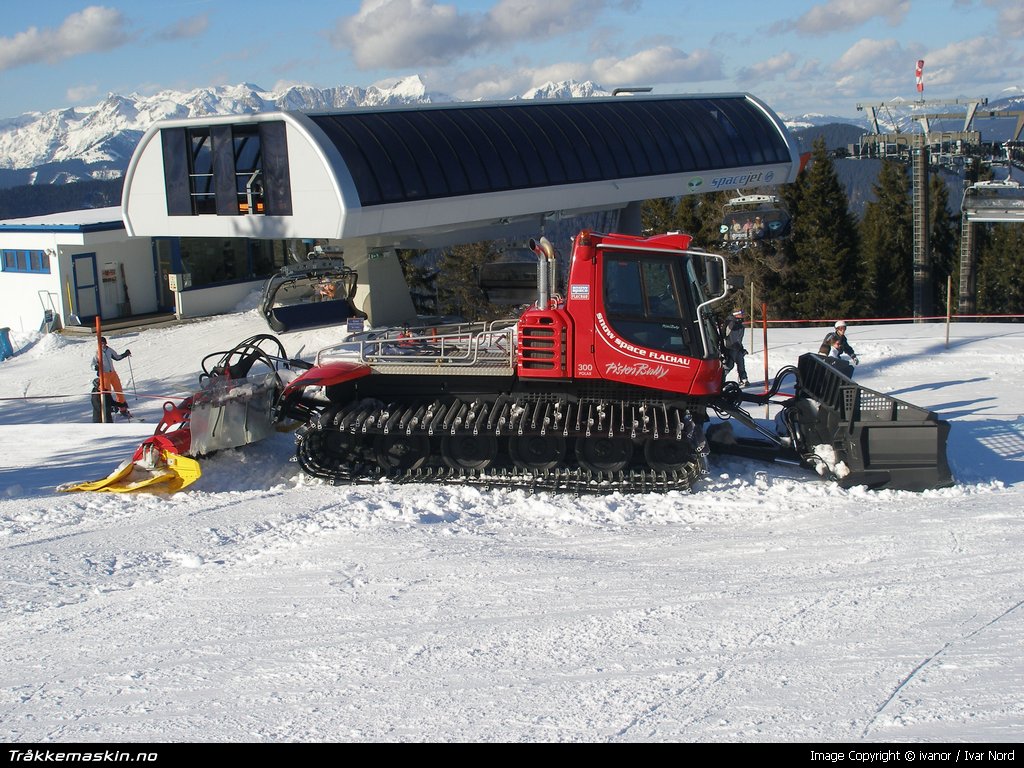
<point>37,262</point>
<point>200,176</point>
<point>248,169</point>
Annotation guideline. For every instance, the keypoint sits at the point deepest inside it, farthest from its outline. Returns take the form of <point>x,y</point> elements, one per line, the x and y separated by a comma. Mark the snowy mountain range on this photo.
<point>96,142</point>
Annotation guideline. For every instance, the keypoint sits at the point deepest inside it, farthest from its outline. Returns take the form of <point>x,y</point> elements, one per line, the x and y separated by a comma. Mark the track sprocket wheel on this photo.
<point>667,455</point>
<point>400,451</point>
<point>469,451</point>
<point>604,454</point>
<point>536,451</point>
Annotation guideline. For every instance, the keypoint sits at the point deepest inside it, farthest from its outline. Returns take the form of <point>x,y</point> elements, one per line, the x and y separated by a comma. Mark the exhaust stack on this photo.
<point>545,269</point>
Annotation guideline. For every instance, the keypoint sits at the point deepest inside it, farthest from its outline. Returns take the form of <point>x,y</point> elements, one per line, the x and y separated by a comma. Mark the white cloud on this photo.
<point>885,68</point>
<point>406,33</point>
<point>836,15</point>
<point>491,83</point>
<point>661,64</point>
<point>808,72</point>
<point>524,19</point>
<point>872,68</point>
<point>870,54</point>
<point>191,26</point>
<point>397,34</point>
<point>768,69</point>
<point>92,29</point>
<point>980,62</point>
<point>1011,20</point>
<point>81,93</point>
<point>564,70</point>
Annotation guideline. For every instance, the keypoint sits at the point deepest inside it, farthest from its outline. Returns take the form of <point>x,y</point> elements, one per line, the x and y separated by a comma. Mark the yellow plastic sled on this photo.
<point>166,473</point>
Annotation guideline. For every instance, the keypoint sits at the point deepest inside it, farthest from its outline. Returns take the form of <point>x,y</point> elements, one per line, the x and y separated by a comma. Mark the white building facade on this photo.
<point>67,268</point>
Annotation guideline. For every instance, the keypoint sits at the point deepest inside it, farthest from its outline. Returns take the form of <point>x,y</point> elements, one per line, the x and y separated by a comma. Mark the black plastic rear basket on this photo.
<point>884,442</point>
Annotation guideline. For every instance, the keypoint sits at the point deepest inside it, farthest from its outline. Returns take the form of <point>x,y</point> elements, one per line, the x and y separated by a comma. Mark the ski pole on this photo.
<point>135,391</point>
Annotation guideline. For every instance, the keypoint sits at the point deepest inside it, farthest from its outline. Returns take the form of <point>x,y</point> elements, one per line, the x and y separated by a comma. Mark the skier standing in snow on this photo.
<point>734,346</point>
<point>109,380</point>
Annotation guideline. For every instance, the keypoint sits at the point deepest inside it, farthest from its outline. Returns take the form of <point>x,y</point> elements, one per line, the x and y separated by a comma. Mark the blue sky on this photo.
<point>799,56</point>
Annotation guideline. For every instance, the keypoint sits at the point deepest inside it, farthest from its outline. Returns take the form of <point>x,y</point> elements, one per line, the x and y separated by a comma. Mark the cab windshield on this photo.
<point>650,301</point>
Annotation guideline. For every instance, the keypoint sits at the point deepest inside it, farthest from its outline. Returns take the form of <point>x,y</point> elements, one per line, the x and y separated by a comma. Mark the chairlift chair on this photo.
<point>310,294</point>
<point>750,219</point>
<point>994,201</point>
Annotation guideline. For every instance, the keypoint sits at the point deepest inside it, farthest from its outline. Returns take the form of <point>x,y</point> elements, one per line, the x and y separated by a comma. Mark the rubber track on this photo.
<point>363,421</point>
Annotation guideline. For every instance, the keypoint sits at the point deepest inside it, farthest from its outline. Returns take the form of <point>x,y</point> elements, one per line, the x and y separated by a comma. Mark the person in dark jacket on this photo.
<point>99,401</point>
<point>734,346</point>
<point>838,333</point>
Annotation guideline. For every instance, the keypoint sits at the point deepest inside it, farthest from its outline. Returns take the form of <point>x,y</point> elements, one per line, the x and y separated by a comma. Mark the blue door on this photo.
<point>87,286</point>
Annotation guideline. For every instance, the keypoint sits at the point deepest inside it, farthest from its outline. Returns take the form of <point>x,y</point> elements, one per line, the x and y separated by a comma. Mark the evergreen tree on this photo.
<point>701,217</point>
<point>420,279</point>
<point>762,266</point>
<point>697,215</point>
<point>766,274</point>
<point>887,243</point>
<point>458,288</point>
<point>790,283</point>
<point>826,278</point>
<point>1000,264</point>
<point>659,215</point>
<point>945,243</point>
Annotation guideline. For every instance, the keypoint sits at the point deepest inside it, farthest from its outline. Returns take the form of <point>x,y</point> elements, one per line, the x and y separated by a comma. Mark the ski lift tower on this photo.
<point>917,147</point>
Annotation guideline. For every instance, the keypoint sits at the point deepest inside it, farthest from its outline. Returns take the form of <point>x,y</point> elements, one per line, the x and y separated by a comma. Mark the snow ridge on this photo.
<point>103,136</point>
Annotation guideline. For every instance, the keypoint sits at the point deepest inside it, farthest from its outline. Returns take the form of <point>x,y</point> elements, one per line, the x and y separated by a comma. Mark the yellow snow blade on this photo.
<point>140,479</point>
<point>170,473</point>
<point>122,471</point>
<point>186,471</point>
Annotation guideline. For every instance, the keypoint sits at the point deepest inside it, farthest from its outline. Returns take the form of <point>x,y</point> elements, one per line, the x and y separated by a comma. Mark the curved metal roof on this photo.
<point>427,176</point>
<point>427,153</point>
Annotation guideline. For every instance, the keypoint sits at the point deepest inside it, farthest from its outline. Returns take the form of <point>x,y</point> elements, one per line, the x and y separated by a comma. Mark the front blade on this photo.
<point>168,473</point>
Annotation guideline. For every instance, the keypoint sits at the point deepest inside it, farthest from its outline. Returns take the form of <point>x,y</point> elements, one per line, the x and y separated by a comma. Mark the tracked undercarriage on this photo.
<point>535,441</point>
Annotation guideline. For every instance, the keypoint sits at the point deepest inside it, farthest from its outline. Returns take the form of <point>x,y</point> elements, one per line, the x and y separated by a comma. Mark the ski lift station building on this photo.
<point>213,206</point>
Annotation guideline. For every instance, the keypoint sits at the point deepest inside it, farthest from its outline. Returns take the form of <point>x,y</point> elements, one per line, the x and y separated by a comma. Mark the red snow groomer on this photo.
<point>607,386</point>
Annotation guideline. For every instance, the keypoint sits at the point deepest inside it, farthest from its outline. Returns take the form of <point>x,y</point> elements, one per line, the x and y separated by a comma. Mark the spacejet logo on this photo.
<point>743,179</point>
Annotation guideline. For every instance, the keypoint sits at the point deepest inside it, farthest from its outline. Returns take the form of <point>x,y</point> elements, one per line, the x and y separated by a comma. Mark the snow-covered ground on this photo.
<point>261,605</point>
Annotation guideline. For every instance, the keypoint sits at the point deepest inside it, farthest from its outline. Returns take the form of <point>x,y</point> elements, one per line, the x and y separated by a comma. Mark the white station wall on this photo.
<point>25,296</point>
<point>22,294</point>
